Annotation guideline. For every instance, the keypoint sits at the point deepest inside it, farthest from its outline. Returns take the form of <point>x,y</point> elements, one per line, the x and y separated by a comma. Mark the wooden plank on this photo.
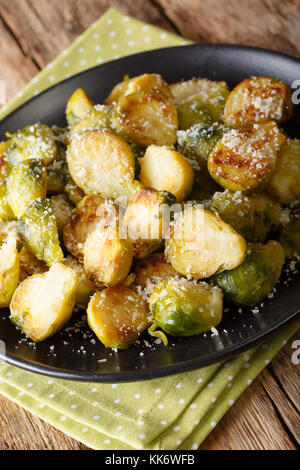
<point>44,28</point>
<point>272,24</point>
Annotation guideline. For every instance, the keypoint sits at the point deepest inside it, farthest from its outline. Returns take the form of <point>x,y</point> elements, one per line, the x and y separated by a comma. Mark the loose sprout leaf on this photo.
<point>42,304</point>
<point>38,231</point>
<point>77,107</point>
<point>118,316</point>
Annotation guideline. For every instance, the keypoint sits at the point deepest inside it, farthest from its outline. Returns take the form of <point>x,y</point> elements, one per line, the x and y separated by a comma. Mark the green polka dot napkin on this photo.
<point>176,412</point>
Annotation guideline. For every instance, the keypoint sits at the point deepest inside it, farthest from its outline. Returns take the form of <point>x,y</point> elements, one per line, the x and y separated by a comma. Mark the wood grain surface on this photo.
<point>32,33</point>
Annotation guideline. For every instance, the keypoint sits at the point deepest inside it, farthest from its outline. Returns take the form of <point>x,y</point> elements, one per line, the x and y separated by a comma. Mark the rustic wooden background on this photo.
<point>32,33</point>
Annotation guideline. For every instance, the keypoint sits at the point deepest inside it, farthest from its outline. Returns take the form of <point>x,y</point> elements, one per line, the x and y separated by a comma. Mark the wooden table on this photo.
<point>32,33</point>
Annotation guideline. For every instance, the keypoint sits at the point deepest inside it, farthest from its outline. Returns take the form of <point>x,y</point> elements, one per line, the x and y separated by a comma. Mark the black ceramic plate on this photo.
<point>74,353</point>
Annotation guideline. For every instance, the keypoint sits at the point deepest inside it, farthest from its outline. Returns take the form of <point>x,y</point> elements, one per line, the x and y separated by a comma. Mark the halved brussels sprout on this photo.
<point>184,308</point>
<point>62,210</point>
<point>200,244</point>
<point>98,117</point>
<point>5,167</point>
<point>108,256</point>
<point>38,231</point>
<point>26,183</point>
<point>285,183</point>
<point>33,142</point>
<point>258,100</point>
<point>184,91</point>
<point>199,141</point>
<point>142,82</point>
<point>92,211</point>
<point>290,233</point>
<point>9,269</point>
<point>118,316</point>
<point>101,162</point>
<point>147,117</point>
<point>42,304</point>
<point>253,280</point>
<point>147,217</point>
<point>150,271</point>
<point>244,160</point>
<point>165,169</point>
<point>248,215</point>
<point>85,288</point>
<point>5,209</point>
<point>77,107</point>
<point>30,265</point>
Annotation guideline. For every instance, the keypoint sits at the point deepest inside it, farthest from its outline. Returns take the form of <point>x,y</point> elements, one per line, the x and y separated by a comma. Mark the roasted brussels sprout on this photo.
<point>9,269</point>
<point>62,210</point>
<point>208,89</point>
<point>38,231</point>
<point>150,271</point>
<point>285,183</point>
<point>32,142</point>
<point>200,244</point>
<point>258,100</point>
<point>290,233</point>
<point>147,117</point>
<point>253,280</point>
<point>5,167</point>
<point>147,218</point>
<point>118,316</point>
<point>199,141</point>
<point>74,193</point>
<point>98,117</point>
<point>245,160</point>
<point>5,209</point>
<point>108,256</point>
<point>248,215</point>
<point>92,211</point>
<point>85,288</point>
<point>26,183</point>
<point>77,107</point>
<point>42,304</point>
<point>165,169</point>
<point>30,265</point>
<point>142,82</point>
<point>101,162</point>
<point>184,308</point>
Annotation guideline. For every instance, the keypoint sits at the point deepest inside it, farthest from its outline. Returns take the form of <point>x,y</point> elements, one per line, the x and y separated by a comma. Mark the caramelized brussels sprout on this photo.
<point>118,316</point>
<point>244,160</point>
<point>147,117</point>
<point>285,183</point>
<point>5,167</point>
<point>150,271</point>
<point>200,244</point>
<point>9,269</point>
<point>5,209</point>
<point>92,211</point>
<point>32,142</point>
<point>258,100</point>
<point>253,280</point>
<point>26,183</point>
<point>30,265</point>
<point>62,210</point>
<point>199,141</point>
<point>38,231</point>
<point>98,117</point>
<point>248,215</point>
<point>142,82</point>
<point>77,107</point>
<point>108,256</point>
<point>208,89</point>
<point>184,308</point>
<point>290,233</point>
<point>42,304</point>
<point>147,219</point>
<point>165,169</point>
<point>85,288</point>
<point>101,162</point>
